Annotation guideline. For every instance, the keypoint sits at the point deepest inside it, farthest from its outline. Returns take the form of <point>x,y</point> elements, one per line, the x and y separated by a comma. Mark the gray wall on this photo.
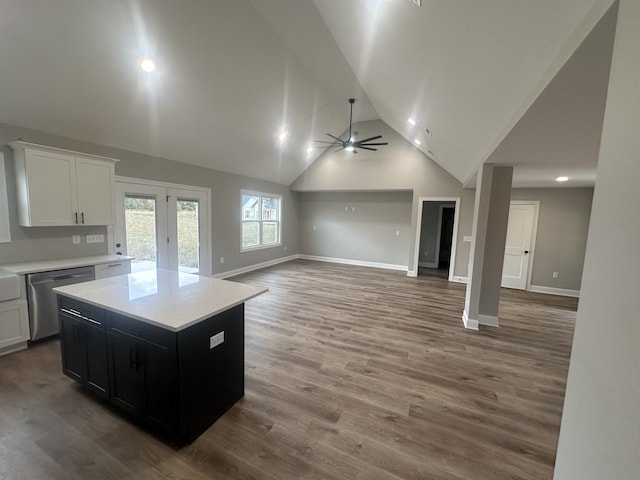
<point>600,431</point>
<point>356,225</point>
<point>31,243</point>
<point>429,231</point>
<point>397,166</point>
<point>563,223</point>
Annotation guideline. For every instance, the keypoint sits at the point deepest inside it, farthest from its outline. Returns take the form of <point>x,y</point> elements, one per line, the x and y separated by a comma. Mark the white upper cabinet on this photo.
<point>59,187</point>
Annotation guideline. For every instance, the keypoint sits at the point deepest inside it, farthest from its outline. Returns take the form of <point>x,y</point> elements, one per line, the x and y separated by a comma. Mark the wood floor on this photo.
<point>351,373</point>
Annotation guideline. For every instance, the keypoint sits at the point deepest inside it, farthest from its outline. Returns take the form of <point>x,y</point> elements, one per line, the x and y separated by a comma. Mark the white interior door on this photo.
<point>163,227</point>
<point>515,268</point>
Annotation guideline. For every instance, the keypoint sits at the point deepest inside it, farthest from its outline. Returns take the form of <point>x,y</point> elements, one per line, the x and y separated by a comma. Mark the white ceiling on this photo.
<point>232,74</point>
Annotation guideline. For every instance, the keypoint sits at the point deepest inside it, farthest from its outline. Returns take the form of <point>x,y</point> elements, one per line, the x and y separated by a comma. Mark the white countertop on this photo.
<point>166,298</point>
<point>46,265</point>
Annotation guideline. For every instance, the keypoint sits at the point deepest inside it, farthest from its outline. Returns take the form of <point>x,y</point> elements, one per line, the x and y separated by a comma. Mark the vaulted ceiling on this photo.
<point>489,80</point>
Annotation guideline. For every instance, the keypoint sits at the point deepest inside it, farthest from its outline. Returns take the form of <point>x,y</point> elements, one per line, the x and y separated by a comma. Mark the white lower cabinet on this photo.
<point>14,326</point>
<point>106,270</point>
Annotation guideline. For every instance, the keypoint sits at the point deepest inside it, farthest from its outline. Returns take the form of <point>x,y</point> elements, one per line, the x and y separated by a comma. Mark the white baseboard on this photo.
<point>13,348</point>
<point>459,279</point>
<point>257,266</point>
<point>428,265</point>
<point>412,273</point>
<point>469,323</point>
<point>555,291</point>
<point>360,263</point>
<point>488,320</point>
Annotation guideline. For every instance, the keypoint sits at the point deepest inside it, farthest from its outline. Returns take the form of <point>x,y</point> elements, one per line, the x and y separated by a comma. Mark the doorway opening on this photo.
<point>436,237</point>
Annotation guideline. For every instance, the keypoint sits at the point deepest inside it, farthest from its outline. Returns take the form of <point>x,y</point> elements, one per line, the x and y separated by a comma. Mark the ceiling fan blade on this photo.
<point>370,138</point>
<point>341,148</point>
<point>380,143</point>
<point>330,143</point>
<point>336,138</point>
<point>367,148</point>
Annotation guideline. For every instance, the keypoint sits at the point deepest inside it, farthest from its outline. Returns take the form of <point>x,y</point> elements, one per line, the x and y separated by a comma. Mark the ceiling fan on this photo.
<point>351,144</point>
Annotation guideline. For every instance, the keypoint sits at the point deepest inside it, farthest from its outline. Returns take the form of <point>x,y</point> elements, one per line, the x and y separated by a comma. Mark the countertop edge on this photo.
<point>160,324</point>
<point>37,266</point>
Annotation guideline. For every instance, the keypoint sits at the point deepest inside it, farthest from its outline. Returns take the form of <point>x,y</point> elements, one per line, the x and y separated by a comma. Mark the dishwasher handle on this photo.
<point>58,278</point>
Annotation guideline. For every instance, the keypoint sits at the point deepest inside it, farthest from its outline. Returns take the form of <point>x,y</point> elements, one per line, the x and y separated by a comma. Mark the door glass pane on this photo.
<point>188,236</point>
<point>140,225</point>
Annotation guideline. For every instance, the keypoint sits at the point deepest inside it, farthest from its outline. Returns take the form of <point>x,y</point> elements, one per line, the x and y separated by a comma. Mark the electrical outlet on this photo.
<point>221,259</point>
<point>346,209</point>
<point>216,340</point>
<point>353,209</point>
<point>314,228</point>
<point>555,274</point>
<point>95,238</point>
<point>285,248</point>
<point>397,233</point>
<point>75,239</point>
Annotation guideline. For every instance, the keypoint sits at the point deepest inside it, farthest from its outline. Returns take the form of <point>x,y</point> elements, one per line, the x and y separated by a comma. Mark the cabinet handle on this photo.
<point>76,217</point>
<point>75,333</point>
<point>82,214</point>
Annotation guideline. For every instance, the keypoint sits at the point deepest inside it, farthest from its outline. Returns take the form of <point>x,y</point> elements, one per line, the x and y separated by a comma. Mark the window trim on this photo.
<point>261,246</point>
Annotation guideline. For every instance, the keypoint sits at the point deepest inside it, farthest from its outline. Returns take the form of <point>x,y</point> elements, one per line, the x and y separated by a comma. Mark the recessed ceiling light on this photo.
<point>282,135</point>
<point>417,142</point>
<point>562,179</point>
<point>411,121</point>
<point>147,65</point>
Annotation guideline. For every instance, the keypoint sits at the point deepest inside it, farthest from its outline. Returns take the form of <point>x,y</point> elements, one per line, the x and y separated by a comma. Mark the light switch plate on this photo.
<point>216,340</point>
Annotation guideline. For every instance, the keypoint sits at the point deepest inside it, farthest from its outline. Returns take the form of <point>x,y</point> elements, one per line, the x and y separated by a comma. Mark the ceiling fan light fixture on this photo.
<point>351,144</point>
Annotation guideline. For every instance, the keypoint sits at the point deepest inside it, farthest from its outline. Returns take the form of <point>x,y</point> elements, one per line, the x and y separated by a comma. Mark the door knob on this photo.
<point>526,251</point>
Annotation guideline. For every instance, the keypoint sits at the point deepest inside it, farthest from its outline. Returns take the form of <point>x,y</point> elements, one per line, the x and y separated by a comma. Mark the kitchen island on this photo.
<point>164,346</point>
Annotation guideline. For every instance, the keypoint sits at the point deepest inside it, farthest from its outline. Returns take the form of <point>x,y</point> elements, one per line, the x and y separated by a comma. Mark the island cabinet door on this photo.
<point>161,388</point>
<point>84,353</point>
<point>127,379</point>
<point>73,351</point>
<point>144,379</point>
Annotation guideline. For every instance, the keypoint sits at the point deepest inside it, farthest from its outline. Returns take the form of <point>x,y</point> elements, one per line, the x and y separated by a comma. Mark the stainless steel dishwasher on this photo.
<point>43,308</point>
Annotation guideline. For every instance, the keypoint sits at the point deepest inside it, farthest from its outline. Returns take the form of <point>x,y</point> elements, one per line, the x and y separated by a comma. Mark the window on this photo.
<point>260,220</point>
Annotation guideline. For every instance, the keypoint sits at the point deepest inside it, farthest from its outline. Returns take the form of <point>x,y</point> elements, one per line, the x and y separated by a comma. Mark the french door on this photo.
<point>163,226</point>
